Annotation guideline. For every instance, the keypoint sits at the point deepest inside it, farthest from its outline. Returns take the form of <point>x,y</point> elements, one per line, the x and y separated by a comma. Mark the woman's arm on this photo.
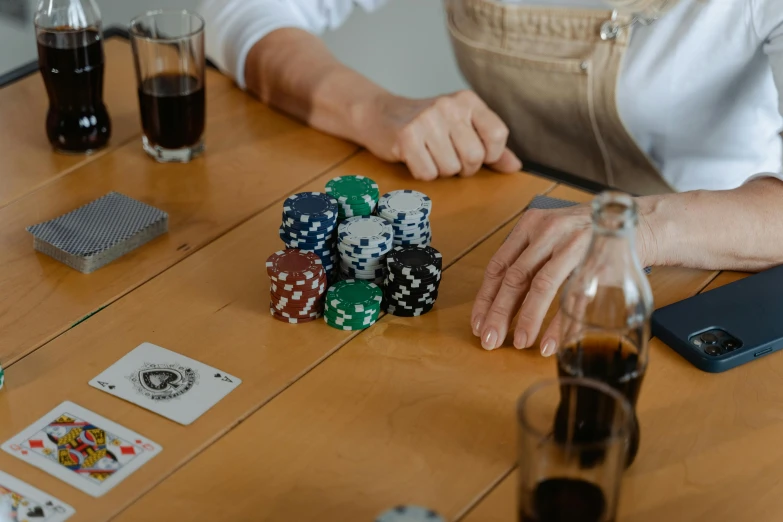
<point>270,48</point>
<point>740,229</point>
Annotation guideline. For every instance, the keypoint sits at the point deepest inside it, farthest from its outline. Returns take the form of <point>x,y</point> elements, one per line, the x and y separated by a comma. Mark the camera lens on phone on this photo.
<point>730,344</point>
<point>711,350</point>
<point>709,338</point>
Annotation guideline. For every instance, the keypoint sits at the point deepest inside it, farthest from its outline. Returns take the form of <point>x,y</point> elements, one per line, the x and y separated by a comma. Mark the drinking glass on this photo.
<point>168,50</point>
<point>573,444</point>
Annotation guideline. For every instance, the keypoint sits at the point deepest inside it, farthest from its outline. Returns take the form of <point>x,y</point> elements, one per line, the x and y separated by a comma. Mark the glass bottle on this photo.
<point>606,306</point>
<point>71,61</point>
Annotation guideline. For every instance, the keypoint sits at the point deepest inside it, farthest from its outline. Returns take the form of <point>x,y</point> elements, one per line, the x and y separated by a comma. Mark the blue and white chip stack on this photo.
<point>409,514</point>
<point>363,243</point>
<point>309,220</point>
<point>408,211</point>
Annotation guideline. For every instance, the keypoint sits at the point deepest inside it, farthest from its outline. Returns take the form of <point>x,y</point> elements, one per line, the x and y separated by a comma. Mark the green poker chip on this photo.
<point>355,195</point>
<point>352,305</point>
<point>2,377</point>
<point>354,295</point>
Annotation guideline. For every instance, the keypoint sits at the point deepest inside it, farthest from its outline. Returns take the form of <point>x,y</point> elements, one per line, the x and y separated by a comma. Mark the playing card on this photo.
<point>167,383</point>
<point>99,232</point>
<point>80,447</point>
<point>20,502</point>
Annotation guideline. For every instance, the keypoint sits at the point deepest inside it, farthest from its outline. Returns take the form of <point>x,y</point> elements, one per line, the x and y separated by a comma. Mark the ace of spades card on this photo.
<point>167,383</point>
<point>20,502</point>
<point>80,447</point>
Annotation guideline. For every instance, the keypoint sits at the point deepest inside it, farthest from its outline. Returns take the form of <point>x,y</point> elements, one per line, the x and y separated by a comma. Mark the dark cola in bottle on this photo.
<point>606,308</point>
<point>71,61</point>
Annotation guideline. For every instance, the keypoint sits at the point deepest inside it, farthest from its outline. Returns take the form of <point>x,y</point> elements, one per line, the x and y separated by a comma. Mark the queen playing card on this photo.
<point>167,383</point>
<point>20,502</point>
<point>82,448</point>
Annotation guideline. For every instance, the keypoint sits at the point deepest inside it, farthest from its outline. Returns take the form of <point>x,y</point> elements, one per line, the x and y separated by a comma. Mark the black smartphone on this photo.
<point>726,327</point>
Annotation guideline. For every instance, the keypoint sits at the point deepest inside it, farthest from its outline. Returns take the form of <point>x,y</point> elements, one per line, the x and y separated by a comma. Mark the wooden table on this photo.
<point>327,425</point>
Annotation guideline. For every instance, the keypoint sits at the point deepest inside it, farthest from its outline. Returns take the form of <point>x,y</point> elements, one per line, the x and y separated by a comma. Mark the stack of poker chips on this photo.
<point>412,280</point>
<point>409,213</point>
<point>309,220</point>
<point>297,287</point>
<point>352,305</point>
<point>355,195</point>
<point>363,243</point>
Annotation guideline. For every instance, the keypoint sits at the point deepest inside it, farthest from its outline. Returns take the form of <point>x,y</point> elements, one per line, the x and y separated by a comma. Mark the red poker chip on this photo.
<point>293,265</point>
<point>296,306</point>
<point>294,320</point>
<point>298,294</point>
<point>292,311</point>
<point>304,284</point>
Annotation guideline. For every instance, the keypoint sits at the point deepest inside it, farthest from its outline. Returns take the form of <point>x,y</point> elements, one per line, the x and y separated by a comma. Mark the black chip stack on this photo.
<point>412,279</point>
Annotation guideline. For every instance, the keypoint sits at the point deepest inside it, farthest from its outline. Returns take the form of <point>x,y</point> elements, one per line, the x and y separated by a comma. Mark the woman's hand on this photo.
<point>526,273</point>
<point>444,136</point>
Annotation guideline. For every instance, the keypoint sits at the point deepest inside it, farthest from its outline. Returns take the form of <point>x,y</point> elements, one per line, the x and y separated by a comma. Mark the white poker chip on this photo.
<point>402,204</point>
<point>369,231</point>
<point>409,514</point>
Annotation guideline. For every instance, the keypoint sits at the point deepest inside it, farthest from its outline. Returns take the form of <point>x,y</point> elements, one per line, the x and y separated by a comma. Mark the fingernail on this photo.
<point>489,340</point>
<point>520,340</point>
<point>548,347</point>
<point>477,325</point>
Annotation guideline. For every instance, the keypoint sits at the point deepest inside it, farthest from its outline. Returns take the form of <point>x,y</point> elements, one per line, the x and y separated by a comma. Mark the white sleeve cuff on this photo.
<point>761,175</point>
<point>234,26</point>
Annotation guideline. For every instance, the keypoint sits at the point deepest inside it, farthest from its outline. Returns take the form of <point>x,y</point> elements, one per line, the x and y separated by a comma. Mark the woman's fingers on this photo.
<point>543,290</point>
<point>506,255</point>
<point>550,341</point>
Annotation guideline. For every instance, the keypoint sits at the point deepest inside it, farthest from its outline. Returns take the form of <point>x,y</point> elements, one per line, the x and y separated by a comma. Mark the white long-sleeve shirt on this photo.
<point>701,89</point>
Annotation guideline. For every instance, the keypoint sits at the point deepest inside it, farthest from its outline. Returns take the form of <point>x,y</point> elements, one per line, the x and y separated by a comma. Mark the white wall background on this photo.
<point>403,46</point>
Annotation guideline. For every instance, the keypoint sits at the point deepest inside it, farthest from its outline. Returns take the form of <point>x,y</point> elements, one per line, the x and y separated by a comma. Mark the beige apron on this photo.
<point>552,79</point>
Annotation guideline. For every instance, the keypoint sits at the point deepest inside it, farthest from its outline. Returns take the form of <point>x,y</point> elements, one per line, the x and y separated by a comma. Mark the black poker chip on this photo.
<point>415,260</point>
<point>409,312</point>
<point>413,275</point>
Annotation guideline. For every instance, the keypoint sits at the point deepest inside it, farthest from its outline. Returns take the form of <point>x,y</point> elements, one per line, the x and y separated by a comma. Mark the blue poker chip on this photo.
<point>307,207</point>
<point>366,231</point>
<point>319,243</point>
<point>285,236</point>
<point>315,225</point>
<point>409,513</point>
<point>303,234</point>
<point>325,229</point>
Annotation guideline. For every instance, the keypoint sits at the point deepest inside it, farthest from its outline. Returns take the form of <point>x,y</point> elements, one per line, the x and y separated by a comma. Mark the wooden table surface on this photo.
<point>327,425</point>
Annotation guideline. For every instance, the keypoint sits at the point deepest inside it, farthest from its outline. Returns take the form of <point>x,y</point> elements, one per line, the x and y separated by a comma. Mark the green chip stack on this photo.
<point>2,377</point>
<point>353,305</point>
<point>355,195</point>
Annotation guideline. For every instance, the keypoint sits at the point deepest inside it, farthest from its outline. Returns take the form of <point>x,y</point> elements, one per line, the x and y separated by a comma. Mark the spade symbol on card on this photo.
<point>158,379</point>
<point>226,379</point>
<point>106,385</point>
<point>37,511</point>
